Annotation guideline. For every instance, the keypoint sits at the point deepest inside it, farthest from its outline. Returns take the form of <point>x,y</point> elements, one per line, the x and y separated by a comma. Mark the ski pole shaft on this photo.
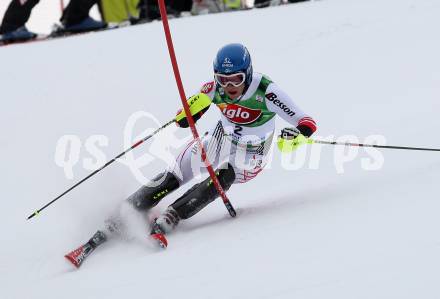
<point>375,145</point>
<point>101,168</point>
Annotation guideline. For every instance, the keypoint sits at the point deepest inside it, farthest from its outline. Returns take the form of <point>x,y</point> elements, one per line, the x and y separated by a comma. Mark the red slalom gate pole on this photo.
<point>191,123</point>
<point>62,6</point>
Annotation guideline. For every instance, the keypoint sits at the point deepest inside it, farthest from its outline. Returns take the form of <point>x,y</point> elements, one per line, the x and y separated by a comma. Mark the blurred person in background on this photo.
<point>266,3</point>
<point>215,6</point>
<point>149,9</point>
<point>75,18</point>
<point>119,11</point>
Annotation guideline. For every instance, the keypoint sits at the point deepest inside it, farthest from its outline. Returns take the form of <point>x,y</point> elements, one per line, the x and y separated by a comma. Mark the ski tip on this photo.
<point>72,260</point>
<point>160,238</point>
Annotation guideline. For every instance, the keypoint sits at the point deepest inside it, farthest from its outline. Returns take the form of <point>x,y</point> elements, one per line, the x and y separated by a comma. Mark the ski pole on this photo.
<point>374,145</point>
<point>101,168</point>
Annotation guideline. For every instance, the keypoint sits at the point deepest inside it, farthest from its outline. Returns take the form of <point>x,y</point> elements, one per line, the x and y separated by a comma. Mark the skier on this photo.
<point>237,146</point>
<point>75,18</point>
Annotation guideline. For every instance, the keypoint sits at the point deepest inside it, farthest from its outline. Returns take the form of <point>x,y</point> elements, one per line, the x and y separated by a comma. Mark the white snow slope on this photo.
<point>359,67</point>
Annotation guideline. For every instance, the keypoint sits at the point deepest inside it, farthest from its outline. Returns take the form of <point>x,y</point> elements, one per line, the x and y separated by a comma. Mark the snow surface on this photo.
<point>359,67</point>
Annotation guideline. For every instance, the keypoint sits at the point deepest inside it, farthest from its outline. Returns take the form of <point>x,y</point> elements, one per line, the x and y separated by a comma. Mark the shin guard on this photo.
<point>148,196</point>
<point>200,195</point>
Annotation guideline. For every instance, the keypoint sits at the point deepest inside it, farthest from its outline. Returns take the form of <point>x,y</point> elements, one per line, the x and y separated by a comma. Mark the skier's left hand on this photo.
<point>290,139</point>
<point>198,104</point>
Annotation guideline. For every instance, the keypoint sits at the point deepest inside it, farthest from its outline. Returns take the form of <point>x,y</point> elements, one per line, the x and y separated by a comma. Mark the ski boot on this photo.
<point>86,25</point>
<point>190,203</point>
<point>164,224</point>
<point>19,35</point>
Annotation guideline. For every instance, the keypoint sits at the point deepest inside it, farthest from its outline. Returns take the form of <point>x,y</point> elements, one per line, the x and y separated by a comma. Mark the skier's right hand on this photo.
<point>198,104</point>
<point>291,139</point>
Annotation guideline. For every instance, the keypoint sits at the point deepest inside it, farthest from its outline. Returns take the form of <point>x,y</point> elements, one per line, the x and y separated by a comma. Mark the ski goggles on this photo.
<point>234,79</point>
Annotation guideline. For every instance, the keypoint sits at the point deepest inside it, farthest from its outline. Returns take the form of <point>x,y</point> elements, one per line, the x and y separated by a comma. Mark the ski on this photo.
<point>157,233</point>
<point>160,240</point>
<point>77,256</point>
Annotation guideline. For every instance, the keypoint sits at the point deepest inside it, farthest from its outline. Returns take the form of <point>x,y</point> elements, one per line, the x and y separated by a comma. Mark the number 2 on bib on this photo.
<point>238,129</point>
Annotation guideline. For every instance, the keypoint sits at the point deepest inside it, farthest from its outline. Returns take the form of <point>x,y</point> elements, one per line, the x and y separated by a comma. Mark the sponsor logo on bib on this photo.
<point>239,114</point>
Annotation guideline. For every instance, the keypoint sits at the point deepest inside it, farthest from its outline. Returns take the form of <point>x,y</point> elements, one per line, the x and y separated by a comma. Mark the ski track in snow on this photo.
<point>358,67</point>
